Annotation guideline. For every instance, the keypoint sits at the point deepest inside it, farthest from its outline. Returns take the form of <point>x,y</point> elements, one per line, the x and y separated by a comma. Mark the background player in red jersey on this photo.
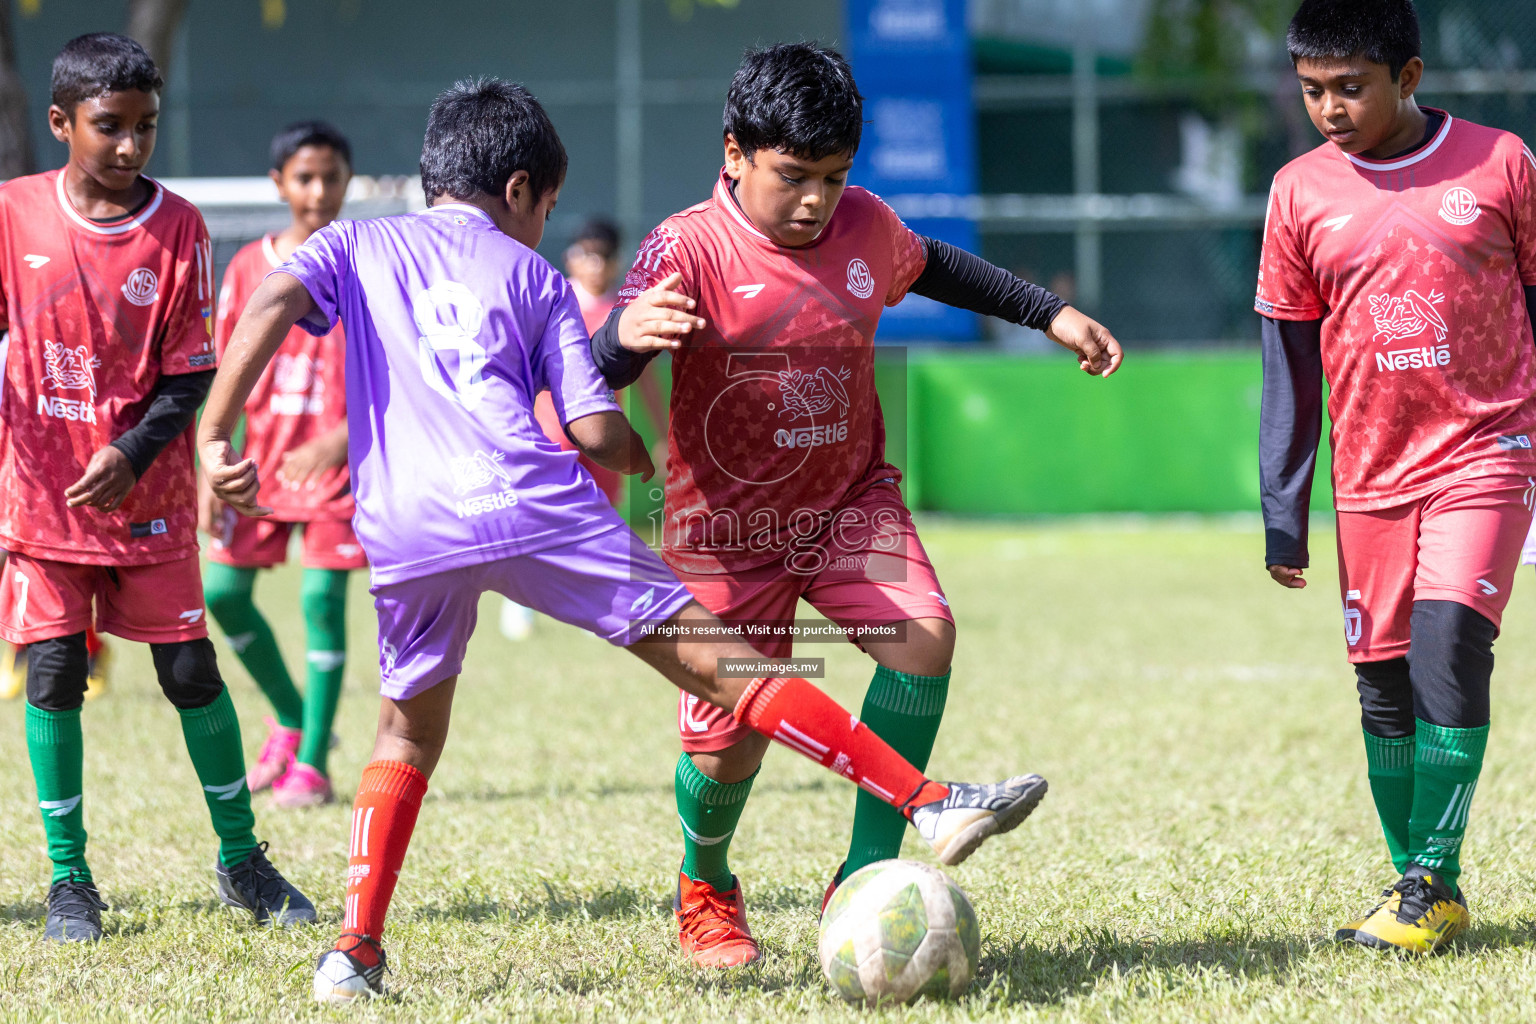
<point>108,297</point>
<point>777,485</point>
<point>296,430</point>
<point>1399,263</point>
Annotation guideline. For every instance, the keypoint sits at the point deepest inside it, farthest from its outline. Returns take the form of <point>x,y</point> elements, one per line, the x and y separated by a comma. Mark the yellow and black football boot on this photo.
<point>1421,915</point>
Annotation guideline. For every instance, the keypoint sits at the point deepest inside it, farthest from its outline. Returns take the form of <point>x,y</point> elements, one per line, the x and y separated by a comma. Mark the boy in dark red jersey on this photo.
<point>777,485</point>
<point>1399,263</point>
<point>296,430</point>
<point>108,296</point>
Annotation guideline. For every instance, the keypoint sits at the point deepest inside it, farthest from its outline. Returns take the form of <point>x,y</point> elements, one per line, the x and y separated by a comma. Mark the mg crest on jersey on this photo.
<point>860,281</point>
<point>1459,206</point>
<point>142,287</point>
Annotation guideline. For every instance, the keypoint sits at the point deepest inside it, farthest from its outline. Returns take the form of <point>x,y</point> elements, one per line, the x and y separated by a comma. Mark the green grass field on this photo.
<point>1208,824</point>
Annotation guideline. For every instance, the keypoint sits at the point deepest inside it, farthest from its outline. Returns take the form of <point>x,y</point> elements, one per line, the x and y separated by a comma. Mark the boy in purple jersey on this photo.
<point>454,324</point>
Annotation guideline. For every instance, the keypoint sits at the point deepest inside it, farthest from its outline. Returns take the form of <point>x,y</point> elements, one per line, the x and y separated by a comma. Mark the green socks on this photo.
<point>323,595</point>
<point>902,709</point>
<point>213,740</point>
<point>708,812</point>
<point>1389,766</point>
<point>228,593</point>
<point>905,711</point>
<point>1446,765</point>
<point>57,751</point>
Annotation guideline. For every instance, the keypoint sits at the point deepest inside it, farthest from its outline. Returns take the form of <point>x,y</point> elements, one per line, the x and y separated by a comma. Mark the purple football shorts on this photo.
<point>611,585</point>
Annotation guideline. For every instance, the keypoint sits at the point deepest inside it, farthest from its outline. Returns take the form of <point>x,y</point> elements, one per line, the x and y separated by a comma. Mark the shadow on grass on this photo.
<point>30,912</point>
<point>1026,973</point>
<point>553,904</point>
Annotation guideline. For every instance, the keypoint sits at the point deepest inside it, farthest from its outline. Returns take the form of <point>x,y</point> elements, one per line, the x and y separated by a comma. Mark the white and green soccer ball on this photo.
<point>897,930</point>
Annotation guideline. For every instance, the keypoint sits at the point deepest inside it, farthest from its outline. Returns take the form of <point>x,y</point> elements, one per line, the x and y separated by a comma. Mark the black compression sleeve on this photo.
<point>1530,305</point>
<point>172,408</point>
<point>619,366</point>
<point>958,278</point>
<point>1290,427</point>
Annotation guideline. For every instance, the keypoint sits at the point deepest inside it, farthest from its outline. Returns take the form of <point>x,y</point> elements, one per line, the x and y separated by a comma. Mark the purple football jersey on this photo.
<point>452,328</point>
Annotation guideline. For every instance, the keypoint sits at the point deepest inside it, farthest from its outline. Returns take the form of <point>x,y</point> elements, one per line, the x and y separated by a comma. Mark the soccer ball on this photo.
<point>897,930</point>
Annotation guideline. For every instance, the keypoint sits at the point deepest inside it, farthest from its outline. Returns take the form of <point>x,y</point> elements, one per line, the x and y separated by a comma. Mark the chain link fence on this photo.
<point>1166,249</point>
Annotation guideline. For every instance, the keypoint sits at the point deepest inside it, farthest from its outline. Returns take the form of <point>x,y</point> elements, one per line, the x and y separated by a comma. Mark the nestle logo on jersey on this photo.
<point>812,437</point>
<point>66,409</point>
<point>1414,358</point>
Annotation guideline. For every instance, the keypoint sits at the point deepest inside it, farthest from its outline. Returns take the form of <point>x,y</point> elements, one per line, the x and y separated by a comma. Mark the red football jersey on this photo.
<point>97,313</point>
<point>1416,268</point>
<point>775,422</point>
<point>301,395</point>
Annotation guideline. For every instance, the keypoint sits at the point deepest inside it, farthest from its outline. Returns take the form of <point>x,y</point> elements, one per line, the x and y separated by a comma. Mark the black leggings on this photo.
<point>1444,680</point>
<point>57,670</point>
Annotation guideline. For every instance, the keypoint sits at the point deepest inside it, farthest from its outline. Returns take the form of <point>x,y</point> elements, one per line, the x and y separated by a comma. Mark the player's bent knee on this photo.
<point>188,673</point>
<point>56,673</point>
<point>1386,698</point>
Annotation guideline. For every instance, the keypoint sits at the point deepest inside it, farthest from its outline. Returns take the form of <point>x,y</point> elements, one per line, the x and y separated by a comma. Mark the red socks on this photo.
<point>797,714</point>
<point>383,817</point>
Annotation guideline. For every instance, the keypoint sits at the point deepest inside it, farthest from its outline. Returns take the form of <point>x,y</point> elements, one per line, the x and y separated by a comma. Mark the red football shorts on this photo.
<point>1461,543</point>
<point>154,604</point>
<point>868,568</point>
<point>260,542</point>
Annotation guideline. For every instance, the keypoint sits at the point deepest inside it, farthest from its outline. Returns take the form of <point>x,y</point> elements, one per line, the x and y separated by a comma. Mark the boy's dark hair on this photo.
<point>308,133</point>
<point>598,235</point>
<point>797,98</point>
<point>480,132</point>
<point>98,63</point>
<point>1381,31</point>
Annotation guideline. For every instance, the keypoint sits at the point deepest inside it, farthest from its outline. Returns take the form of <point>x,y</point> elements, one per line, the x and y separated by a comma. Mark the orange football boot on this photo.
<point>712,925</point>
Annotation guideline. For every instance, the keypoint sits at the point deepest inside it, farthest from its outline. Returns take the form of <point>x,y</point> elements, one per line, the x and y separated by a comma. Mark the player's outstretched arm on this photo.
<point>608,440</point>
<point>966,281</point>
<point>279,303</point>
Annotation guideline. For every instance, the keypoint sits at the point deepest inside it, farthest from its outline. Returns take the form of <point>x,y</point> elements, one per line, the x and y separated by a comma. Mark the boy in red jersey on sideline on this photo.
<point>296,430</point>
<point>1399,265</point>
<point>777,484</point>
<point>107,283</point>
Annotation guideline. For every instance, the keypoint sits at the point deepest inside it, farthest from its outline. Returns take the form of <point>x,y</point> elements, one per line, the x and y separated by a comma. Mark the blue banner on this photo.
<point>912,59</point>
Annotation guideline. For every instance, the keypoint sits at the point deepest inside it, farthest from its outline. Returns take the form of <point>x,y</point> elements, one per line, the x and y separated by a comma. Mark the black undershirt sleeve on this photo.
<point>619,366</point>
<point>1290,427</point>
<point>962,279</point>
<point>172,408</point>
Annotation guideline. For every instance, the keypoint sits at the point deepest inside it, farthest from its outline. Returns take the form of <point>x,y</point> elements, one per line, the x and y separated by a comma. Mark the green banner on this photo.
<point>1177,432</point>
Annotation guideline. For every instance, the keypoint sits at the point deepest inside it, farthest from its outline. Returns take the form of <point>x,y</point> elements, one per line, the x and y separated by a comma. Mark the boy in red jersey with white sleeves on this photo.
<point>1399,263</point>
<point>296,431</point>
<point>107,285</point>
<point>777,484</point>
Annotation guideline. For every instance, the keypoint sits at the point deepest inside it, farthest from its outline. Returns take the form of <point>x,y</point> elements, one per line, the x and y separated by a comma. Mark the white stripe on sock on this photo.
<point>367,825</point>
<point>792,744</point>
<point>1451,809</point>
<point>802,737</point>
